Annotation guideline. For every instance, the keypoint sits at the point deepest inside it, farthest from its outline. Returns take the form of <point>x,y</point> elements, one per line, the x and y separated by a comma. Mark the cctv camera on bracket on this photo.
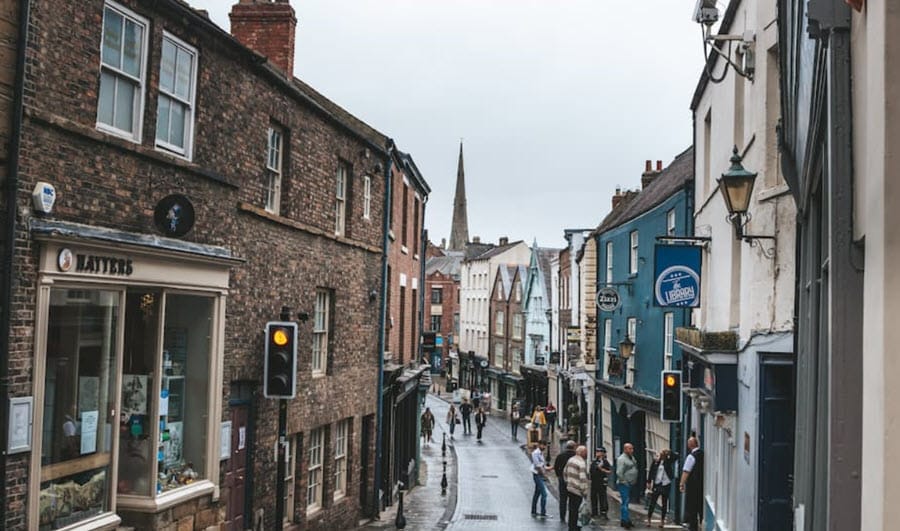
<point>706,12</point>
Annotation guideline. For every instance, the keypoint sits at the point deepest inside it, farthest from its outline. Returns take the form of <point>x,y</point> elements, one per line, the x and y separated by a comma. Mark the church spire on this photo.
<point>459,231</point>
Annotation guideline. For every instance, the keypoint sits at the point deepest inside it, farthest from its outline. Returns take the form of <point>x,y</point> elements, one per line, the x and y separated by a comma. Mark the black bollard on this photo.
<point>444,480</point>
<point>400,521</point>
<point>444,446</point>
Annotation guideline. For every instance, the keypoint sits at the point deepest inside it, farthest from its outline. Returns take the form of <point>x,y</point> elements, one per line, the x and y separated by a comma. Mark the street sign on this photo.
<point>608,299</point>
<point>677,273</point>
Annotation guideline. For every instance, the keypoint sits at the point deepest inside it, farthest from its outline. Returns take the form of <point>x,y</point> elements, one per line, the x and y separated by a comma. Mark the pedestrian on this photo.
<point>559,466</point>
<point>480,421</point>
<point>466,410</point>
<point>476,397</point>
<point>514,420</point>
<point>577,484</point>
<point>427,422</point>
<point>538,419</point>
<point>539,471</point>
<point>692,484</point>
<point>550,414</point>
<point>599,472</point>
<point>659,481</point>
<point>626,477</point>
<point>452,419</point>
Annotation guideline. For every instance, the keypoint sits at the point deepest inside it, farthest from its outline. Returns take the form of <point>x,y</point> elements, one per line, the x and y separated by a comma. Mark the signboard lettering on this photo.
<point>677,274</point>
<point>608,299</point>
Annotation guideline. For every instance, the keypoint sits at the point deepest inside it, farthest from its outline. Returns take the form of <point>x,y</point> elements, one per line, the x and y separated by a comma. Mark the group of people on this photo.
<point>463,416</point>
<point>578,481</point>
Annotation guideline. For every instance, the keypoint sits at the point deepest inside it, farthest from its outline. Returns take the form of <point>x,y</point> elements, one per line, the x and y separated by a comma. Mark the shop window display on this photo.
<point>79,387</point>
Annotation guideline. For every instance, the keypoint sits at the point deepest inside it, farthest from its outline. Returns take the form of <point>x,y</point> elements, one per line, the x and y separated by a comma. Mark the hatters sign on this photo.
<point>95,264</point>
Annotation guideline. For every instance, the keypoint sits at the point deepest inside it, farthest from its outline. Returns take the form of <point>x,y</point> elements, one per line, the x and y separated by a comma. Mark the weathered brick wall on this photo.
<point>449,306</point>
<point>110,182</point>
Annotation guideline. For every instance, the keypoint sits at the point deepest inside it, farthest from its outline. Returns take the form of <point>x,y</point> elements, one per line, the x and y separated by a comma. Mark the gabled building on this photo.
<point>628,383</point>
<point>538,316</point>
<point>442,308</point>
<point>507,337</point>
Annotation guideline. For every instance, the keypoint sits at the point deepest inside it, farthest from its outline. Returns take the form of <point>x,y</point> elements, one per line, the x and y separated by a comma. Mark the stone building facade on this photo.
<point>138,338</point>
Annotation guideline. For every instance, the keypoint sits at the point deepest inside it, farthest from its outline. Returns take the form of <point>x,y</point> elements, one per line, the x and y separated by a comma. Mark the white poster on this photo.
<point>89,421</point>
<point>164,403</point>
<point>134,394</point>
<point>242,438</point>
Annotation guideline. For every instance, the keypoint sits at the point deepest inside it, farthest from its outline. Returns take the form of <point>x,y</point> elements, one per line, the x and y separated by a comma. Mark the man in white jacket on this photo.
<point>578,484</point>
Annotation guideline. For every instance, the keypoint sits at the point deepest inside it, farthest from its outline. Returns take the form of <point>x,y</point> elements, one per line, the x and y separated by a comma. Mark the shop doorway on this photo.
<point>776,443</point>
<point>236,470</point>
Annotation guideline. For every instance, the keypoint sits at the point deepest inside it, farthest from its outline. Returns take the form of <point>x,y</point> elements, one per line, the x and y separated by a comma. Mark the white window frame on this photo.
<point>140,82</point>
<point>607,343</point>
<point>668,339</point>
<point>274,164</point>
<point>499,322</point>
<point>609,262</point>
<point>633,256</point>
<point>190,105</point>
<point>321,326</point>
<point>341,438</point>
<point>632,362</point>
<point>518,326</point>
<point>314,479</point>
<point>498,354</point>
<point>340,200</point>
<point>670,223</point>
<point>518,292</point>
<point>367,197</point>
<point>289,465</point>
<point>516,359</point>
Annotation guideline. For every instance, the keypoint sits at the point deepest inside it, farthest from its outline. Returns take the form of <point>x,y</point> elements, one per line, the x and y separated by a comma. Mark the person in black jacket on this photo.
<point>559,466</point>
<point>659,482</point>
<point>480,421</point>
<point>691,485</point>
<point>599,473</point>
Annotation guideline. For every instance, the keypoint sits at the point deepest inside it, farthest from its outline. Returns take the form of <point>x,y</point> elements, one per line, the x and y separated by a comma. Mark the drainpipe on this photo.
<point>382,319</point>
<point>6,282</point>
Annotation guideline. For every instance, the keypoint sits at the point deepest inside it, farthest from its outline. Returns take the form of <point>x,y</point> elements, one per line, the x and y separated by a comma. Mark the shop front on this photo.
<point>128,371</point>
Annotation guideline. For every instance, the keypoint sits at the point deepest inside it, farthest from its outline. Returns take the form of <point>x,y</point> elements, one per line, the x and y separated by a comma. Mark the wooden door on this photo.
<point>236,470</point>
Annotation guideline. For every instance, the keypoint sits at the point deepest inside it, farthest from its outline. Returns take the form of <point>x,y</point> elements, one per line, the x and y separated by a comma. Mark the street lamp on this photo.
<point>626,348</point>
<point>549,314</point>
<point>736,186</point>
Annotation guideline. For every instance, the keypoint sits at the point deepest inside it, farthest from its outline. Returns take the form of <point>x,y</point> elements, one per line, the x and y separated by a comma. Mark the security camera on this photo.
<point>706,12</point>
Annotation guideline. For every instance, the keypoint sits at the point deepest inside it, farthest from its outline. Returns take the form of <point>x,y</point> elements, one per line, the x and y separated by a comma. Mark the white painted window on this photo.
<point>273,170</point>
<point>498,354</point>
<point>670,223</point>
<point>633,258</point>
<point>516,359</point>
<point>314,475</point>
<point>340,200</point>
<point>607,342</point>
<point>290,452</point>
<point>367,197</point>
<point>609,262</point>
<point>341,436</point>
<point>321,324</point>
<point>632,362</point>
<point>177,82</point>
<point>518,292</point>
<point>517,326</point>
<point>668,339</point>
<point>499,324</point>
<point>123,59</point>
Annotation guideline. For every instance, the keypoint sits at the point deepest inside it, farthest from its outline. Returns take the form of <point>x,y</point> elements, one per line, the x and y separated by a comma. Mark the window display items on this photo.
<point>134,394</point>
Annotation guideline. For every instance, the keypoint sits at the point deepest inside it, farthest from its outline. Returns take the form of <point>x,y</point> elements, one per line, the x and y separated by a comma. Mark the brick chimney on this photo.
<point>504,240</point>
<point>267,27</point>
<point>617,198</point>
<point>650,174</point>
<point>476,239</point>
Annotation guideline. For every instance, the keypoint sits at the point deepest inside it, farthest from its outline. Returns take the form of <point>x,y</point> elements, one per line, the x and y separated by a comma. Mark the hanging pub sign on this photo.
<point>608,299</point>
<point>677,273</point>
<point>174,215</point>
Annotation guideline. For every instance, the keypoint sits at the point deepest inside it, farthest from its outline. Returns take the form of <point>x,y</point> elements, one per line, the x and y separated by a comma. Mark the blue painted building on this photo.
<point>627,388</point>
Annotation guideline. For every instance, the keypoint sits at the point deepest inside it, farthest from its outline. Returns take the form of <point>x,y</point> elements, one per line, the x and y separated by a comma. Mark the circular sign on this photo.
<point>484,364</point>
<point>678,286</point>
<point>65,260</point>
<point>174,215</point>
<point>608,299</point>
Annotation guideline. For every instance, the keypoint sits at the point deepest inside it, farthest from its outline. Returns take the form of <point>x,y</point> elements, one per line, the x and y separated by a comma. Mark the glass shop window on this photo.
<point>163,424</point>
<point>79,387</point>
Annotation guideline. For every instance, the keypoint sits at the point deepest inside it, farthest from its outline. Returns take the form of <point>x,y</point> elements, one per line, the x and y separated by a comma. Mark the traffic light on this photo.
<point>280,377</point>
<point>671,396</point>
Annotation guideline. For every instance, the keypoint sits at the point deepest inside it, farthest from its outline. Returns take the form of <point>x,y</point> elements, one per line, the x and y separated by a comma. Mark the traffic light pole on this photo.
<point>282,443</point>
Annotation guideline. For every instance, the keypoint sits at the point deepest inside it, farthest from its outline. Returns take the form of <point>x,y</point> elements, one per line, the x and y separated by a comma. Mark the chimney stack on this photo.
<point>443,243</point>
<point>267,27</point>
<point>617,198</point>
<point>650,174</point>
<point>476,239</point>
<point>504,240</point>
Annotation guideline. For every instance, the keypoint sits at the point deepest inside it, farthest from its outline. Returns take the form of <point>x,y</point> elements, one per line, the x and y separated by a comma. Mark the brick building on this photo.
<point>134,339</point>
<point>402,373</point>
<point>507,333</point>
<point>442,304</point>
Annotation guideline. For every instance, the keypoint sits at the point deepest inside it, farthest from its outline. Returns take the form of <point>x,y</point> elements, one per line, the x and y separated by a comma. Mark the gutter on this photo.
<point>6,282</point>
<point>382,320</point>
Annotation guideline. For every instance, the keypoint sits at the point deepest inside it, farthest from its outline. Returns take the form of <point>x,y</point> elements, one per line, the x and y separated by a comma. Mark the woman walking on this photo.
<point>480,421</point>
<point>659,481</point>
<point>452,419</point>
<point>427,425</point>
<point>514,419</point>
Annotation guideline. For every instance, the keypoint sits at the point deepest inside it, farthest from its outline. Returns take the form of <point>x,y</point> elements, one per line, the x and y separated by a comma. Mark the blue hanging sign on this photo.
<point>677,273</point>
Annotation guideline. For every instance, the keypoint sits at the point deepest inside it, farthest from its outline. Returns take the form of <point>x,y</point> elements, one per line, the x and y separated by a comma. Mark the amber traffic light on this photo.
<point>280,371</point>
<point>670,402</point>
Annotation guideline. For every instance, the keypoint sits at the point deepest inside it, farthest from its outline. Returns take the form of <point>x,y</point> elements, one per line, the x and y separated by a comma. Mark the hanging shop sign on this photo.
<point>66,261</point>
<point>608,299</point>
<point>677,274</point>
<point>174,215</point>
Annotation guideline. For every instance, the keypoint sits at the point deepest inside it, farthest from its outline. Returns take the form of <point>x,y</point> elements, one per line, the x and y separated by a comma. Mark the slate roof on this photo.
<point>673,178</point>
<point>545,254</point>
<point>475,250</point>
<point>506,273</point>
<point>493,250</point>
<point>446,265</point>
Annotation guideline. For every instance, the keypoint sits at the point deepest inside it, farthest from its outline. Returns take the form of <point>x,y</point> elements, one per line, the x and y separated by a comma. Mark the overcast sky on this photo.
<point>558,101</point>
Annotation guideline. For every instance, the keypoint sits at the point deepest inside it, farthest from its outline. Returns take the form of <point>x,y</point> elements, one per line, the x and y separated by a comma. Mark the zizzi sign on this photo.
<point>96,264</point>
<point>608,299</point>
<point>677,274</point>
